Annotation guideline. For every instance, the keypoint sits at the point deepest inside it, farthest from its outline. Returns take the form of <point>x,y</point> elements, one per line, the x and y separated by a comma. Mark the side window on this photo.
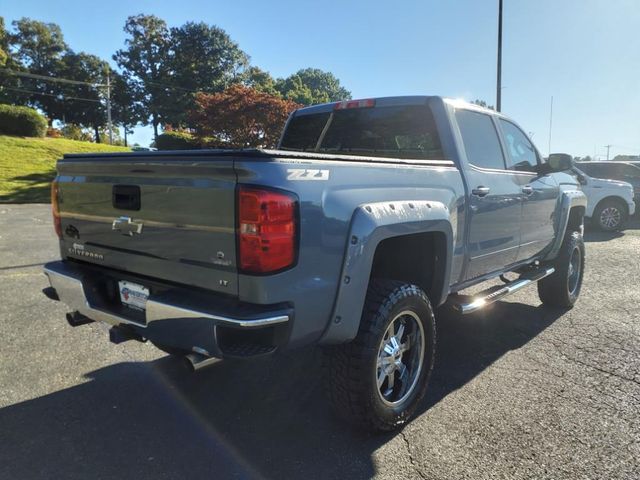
<point>631,171</point>
<point>592,170</point>
<point>521,151</point>
<point>480,139</point>
<point>616,172</point>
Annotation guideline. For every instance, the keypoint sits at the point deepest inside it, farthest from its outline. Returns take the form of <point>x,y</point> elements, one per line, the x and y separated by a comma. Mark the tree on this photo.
<point>311,86</point>
<point>7,95</point>
<point>626,158</point>
<point>127,109</point>
<point>482,103</point>
<point>39,47</point>
<point>4,44</point>
<point>83,104</point>
<point>146,62</point>
<point>205,59</point>
<point>260,80</point>
<point>241,117</point>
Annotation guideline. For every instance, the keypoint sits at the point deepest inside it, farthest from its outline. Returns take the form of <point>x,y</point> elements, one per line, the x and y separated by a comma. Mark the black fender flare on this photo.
<point>370,224</point>
<point>569,199</point>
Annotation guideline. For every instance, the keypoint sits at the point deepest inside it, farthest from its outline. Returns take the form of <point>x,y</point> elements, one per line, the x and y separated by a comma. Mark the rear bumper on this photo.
<point>174,316</point>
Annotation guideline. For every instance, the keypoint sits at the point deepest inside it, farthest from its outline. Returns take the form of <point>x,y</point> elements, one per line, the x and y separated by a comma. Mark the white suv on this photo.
<point>609,202</point>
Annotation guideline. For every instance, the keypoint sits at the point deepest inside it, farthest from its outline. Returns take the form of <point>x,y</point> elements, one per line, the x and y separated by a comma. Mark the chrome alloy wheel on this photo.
<point>400,358</point>
<point>573,274</point>
<point>610,217</point>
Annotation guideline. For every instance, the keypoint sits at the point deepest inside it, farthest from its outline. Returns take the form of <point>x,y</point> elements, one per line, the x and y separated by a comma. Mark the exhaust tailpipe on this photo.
<point>197,361</point>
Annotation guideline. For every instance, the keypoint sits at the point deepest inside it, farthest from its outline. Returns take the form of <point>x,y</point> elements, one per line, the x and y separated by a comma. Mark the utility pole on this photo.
<point>109,124</point>
<point>550,123</point>
<point>499,75</point>
<point>608,147</point>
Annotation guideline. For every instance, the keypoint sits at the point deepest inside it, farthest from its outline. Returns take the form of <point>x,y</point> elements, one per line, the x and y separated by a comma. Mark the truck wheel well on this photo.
<point>417,258</point>
<point>576,215</point>
<point>613,198</point>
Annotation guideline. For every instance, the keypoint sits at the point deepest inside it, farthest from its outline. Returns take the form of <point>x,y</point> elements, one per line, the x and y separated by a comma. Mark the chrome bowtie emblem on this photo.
<point>126,226</point>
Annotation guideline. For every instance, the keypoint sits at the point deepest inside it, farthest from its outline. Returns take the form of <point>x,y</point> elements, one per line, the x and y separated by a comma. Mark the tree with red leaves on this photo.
<point>241,117</point>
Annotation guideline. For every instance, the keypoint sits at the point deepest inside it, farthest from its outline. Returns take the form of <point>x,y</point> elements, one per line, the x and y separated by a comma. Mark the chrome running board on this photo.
<point>469,304</point>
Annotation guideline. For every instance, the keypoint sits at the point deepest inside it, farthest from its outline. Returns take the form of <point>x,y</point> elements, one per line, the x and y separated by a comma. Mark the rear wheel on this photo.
<point>610,215</point>
<point>562,288</point>
<point>378,380</point>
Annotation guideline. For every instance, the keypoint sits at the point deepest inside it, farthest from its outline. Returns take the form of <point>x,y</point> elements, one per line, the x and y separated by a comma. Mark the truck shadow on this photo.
<point>592,234</point>
<point>265,418</point>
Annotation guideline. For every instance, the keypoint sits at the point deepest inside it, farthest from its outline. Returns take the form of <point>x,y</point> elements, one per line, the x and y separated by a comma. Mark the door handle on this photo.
<point>527,189</point>
<point>480,191</point>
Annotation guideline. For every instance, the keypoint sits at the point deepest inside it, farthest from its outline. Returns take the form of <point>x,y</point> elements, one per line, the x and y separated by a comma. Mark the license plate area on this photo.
<point>133,295</point>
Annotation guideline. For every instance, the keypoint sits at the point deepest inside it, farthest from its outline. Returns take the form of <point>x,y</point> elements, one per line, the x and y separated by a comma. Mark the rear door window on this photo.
<point>480,139</point>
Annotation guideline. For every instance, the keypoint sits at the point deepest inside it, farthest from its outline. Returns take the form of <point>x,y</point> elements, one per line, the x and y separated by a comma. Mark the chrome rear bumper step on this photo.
<point>469,304</point>
<point>68,288</point>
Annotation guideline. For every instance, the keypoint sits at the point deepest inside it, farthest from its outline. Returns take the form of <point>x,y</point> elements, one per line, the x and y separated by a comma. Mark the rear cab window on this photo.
<point>403,131</point>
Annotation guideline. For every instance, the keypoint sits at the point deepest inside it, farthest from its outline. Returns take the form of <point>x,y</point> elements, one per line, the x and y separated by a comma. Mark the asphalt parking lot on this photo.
<point>518,391</point>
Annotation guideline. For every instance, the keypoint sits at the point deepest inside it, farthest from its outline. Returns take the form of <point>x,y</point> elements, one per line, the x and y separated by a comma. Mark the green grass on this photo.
<point>27,165</point>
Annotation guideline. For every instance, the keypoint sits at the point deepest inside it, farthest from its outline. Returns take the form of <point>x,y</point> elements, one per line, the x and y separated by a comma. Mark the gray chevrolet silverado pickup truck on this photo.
<point>369,215</point>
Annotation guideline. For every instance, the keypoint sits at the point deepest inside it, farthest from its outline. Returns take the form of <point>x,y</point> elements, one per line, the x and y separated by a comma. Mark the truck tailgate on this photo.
<point>166,217</point>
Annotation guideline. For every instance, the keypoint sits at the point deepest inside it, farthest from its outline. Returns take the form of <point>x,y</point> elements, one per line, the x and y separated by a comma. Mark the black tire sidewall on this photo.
<point>558,282</point>
<point>392,415</point>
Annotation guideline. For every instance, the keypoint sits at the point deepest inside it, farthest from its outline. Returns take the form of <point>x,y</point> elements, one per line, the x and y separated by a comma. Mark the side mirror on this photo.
<point>559,162</point>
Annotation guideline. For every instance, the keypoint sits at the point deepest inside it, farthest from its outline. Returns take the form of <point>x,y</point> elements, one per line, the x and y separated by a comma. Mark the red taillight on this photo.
<point>366,103</point>
<point>55,209</point>
<point>267,230</point>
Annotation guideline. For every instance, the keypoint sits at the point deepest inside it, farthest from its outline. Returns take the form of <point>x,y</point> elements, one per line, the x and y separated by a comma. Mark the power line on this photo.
<point>51,79</point>
<point>78,82</point>
<point>62,97</point>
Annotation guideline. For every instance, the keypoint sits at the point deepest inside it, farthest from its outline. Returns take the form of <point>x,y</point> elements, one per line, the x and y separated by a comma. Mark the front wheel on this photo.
<point>562,288</point>
<point>378,380</point>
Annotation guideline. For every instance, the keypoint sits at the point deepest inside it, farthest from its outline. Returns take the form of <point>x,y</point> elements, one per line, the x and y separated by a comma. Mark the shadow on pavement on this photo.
<point>263,418</point>
<point>592,234</point>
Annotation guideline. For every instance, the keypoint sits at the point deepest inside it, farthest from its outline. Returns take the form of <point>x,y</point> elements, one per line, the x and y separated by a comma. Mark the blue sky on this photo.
<point>586,53</point>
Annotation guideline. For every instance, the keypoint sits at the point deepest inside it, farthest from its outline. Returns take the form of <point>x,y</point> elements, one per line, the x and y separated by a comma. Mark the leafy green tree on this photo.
<point>312,86</point>
<point>146,61</point>
<point>84,103</point>
<point>260,80</point>
<point>292,88</point>
<point>39,48</point>
<point>127,109</point>
<point>203,58</point>
<point>7,95</point>
<point>4,44</point>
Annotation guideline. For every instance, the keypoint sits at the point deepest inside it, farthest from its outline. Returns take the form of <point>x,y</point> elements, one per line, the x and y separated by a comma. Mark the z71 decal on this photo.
<point>307,174</point>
